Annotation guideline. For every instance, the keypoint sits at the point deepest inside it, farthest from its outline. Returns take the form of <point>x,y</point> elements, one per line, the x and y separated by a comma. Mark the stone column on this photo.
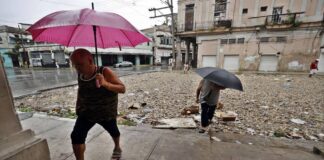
<point>15,143</point>
<point>137,60</point>
<point>151,60</point>
<point>195,55</point>
<point>179,55</point>
<point>187,51</point>
<point>119,58</point>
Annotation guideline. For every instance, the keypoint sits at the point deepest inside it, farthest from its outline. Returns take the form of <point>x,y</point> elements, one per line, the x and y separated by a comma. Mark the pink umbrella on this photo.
<point>87,28</point>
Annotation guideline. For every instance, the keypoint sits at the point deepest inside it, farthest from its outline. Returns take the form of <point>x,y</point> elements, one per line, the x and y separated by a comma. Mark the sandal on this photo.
<point>116,155</point>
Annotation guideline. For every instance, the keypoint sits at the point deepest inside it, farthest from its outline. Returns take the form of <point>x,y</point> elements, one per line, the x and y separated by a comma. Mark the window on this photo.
<point>0,40</point>
<point>263,8</point>
<point>170,41</point>
<point>281,39</point>
<point>264,39</point>
<point>224,41</point>
<point>162,40</point>
<point>245,11</point>
<point>12,40</point>
<point>148,43</point>
<point>220,9</point>
<point>240,40</point>
<point>231,41</point>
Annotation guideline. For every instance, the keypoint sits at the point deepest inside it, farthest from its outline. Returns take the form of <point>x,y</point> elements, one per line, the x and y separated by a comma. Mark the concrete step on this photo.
<point>24,145</point>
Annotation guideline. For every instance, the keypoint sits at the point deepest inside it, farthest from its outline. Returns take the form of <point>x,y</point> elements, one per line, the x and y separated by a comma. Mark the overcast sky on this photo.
<point>13,12</point>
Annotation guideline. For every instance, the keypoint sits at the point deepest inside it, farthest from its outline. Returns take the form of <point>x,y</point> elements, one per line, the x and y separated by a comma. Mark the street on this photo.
<point>29,81</point>
<point>271,105</point>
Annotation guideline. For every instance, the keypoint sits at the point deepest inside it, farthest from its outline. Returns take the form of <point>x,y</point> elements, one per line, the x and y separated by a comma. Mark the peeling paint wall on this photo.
<point>296,62</point>
<point>299,50</point>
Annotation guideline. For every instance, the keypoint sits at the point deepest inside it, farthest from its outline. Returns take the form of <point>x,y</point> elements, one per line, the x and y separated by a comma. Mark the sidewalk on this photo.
<point>145,143</point>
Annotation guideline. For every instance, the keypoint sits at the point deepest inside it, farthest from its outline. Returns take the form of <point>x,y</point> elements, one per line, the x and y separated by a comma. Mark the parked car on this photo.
<point>123,64</point>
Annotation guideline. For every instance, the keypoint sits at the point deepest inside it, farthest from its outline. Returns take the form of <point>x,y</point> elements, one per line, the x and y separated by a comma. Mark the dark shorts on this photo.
<point>82,127</point>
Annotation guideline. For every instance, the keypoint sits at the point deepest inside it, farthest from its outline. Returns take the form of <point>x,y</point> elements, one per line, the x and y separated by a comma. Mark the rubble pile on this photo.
<point>271,105</point>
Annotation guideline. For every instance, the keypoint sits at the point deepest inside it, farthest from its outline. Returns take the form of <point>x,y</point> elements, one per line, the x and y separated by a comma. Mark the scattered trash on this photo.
<point>288,80</point>
<point>264,107</point>
<point>131,94</point>
<point>197,118</point>
<point>190,110</point>
<point>320,136</point>
<point>147,110</point>
<point>220,105</point>
<point>302,100</point>
<point>250,143</point>
<point>133,117</point>
<point>294,135</point>
<point>238,142</point>
<point>228,116</point>
<point>279,133</point>
<point>215,139</point>
<point>251,131</point>
<point>297,121</point>
<point>134,106</point>
<point>286,85</point>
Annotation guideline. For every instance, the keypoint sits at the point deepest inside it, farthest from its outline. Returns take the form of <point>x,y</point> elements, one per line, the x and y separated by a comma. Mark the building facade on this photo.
<point>162,43</point>
<point>17,49</point>
<point>253,35</point>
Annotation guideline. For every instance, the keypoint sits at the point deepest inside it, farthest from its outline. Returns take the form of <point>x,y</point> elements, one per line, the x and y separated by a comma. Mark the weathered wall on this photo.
<point>301,47</point>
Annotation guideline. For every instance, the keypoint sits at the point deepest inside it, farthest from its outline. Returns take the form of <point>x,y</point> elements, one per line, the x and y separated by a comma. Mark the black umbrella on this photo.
<point>220,77</point>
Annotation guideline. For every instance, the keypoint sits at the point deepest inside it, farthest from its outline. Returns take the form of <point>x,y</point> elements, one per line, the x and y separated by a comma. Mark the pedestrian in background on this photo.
<point>313,68</point>
<point>207,95</point>
<point>97,101</point>
<point>185,68</point>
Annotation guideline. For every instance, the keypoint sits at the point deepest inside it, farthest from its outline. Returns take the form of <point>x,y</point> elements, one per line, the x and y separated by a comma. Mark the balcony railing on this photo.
<point>281,19</point>
<point>206,26</point>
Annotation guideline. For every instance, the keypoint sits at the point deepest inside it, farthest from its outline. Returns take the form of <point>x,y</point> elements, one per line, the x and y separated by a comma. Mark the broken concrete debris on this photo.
<point>176,123</point>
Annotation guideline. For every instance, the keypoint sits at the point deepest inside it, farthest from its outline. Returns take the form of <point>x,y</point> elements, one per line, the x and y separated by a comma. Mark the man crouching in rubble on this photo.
<point>207,95</point>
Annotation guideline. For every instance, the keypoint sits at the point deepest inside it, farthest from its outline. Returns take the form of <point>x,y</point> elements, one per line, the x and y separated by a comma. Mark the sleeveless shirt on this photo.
<point>96,104</point>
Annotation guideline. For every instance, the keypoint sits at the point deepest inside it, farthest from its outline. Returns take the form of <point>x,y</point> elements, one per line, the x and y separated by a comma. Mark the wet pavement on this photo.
<point>145,143</point>
<point>30,81</point>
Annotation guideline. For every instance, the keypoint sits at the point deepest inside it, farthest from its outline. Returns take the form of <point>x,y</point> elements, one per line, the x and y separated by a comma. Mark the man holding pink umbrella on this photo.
<point>95,104</point>
<point>98,86</point>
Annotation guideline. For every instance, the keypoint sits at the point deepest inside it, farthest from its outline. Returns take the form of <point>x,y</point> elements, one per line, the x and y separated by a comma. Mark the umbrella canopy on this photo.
<point>75,28</point>
<point>220,77</point>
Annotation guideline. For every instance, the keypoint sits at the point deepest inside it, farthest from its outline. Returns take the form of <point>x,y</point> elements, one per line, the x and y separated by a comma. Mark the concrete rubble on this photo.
<point>173,123</point>
<point>271,105</point>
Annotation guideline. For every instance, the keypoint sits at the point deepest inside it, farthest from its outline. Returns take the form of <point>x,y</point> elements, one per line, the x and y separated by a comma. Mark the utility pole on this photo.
<point>169,4</point>
<point>25,56</point>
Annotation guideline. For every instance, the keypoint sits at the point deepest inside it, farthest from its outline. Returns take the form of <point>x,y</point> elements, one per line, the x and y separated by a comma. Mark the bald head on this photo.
<point>81,54</point>
<point>82,60</point>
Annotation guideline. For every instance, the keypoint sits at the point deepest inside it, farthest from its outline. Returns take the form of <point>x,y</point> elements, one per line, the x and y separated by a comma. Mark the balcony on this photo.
<point>282,21</point>
<point>206,26</point>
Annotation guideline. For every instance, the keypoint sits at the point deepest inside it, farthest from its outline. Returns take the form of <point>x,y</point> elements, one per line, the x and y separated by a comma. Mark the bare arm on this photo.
<point>110,81</point>
<point>198,91</point>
